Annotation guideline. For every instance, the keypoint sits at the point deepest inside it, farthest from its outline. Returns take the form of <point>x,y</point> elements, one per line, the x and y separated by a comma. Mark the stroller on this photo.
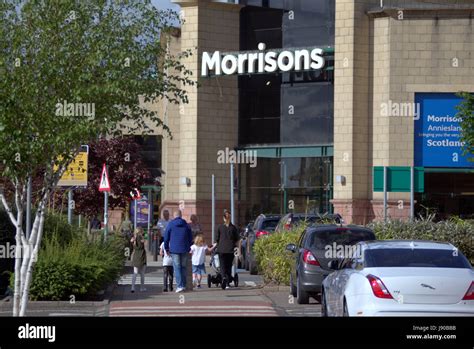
<point>216,278</point>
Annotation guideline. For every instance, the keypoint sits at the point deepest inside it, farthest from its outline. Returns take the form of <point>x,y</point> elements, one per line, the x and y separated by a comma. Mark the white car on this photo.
<point>400,278</point>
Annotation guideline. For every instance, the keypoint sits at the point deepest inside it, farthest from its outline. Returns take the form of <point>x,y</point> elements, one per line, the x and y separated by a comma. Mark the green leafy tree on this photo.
<point>466,114</point>
<point>69,72</point>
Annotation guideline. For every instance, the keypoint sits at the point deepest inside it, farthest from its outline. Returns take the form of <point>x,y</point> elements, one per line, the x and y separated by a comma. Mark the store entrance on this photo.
<point>447,194</point>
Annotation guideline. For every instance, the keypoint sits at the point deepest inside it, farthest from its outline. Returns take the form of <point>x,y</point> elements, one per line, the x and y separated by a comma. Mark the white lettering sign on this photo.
<point>262,62</point>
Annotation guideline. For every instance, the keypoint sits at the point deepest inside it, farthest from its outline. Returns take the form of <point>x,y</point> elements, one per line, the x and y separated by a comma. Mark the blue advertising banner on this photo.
<point>438,131</point>
<point>142,211</point>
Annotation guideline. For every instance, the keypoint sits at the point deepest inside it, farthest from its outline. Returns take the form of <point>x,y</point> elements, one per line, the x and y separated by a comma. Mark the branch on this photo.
<point>8,210</point>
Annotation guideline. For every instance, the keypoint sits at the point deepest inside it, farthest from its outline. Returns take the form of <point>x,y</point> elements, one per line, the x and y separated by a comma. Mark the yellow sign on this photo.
<point>76,172</point>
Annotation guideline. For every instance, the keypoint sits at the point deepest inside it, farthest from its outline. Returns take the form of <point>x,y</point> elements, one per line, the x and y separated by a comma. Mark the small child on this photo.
<point>168,270</point>
<point>198,251</point>
<point>138,258</point>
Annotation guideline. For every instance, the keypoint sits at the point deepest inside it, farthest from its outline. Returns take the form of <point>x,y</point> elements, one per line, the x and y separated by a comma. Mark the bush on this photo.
<point>80,268</point>
<point>456,231</point>
<point>273,260</point>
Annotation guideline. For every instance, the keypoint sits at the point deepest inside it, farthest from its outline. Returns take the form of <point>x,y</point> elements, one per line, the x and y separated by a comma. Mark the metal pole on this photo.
<point>412,193</point>
<point>232,193</point>
<point>79,220</point>
<point>106,214</point>
<point>69,206</point>
<point>213,226</point>
<point>385,194</point>
<point>28,207</point>
<point>135,206</point>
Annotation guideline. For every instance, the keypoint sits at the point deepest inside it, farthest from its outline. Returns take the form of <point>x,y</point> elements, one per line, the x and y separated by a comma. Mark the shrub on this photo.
<point>456,231</point>
<point>70,263</point>
<point>273,260</point>
<point>79,268</point>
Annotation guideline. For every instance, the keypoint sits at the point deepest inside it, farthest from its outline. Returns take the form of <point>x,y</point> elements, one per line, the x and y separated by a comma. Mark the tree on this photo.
<point>466,114</point>
<point>71,71</point>
<point>126,171</point>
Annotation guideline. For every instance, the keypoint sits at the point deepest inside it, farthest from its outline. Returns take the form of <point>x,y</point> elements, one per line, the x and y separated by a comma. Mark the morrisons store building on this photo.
<point>313,99</point>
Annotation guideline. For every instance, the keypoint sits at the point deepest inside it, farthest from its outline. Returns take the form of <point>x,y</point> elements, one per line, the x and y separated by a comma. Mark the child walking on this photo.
<point>167,269</point>
<point>138,258</point>
<point>198,251</point>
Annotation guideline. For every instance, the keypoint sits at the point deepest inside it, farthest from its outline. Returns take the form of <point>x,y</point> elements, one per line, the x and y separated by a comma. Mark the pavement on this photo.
<point>250,298</point>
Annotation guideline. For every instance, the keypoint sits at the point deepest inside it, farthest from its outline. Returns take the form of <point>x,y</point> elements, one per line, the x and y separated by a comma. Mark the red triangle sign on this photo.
<point>104,180</point>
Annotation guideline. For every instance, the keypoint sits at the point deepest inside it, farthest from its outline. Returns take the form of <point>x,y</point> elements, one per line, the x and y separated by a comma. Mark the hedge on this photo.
<point>274,261</point>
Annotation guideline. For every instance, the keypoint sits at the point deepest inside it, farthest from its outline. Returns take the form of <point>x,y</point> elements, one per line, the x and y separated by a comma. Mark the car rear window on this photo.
<point>319,239</point>
<point>269,224</point>
<point>415,258</point>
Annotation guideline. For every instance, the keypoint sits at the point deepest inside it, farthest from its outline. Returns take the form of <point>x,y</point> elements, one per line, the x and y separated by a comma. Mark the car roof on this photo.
<point>338,226</point>
<point>269,216</point>
<point>408,244</point>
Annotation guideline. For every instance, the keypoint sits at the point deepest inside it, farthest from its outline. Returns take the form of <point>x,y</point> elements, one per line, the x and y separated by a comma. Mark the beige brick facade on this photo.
<point>411,48</point>
<point>209,122</point>
<point>382,55</point>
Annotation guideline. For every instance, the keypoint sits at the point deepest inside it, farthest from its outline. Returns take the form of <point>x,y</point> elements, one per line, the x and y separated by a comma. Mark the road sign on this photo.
<point>75,174</point>
<point>104,180</point>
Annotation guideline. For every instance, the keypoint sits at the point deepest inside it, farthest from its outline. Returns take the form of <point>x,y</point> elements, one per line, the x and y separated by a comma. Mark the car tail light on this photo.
<point>378,287</point>
<point>469,296</point>
<point>309,258</point>
<point>261,233</point>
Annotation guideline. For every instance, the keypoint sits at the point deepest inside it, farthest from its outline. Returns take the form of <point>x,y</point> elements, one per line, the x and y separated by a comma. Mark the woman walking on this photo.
<point>138,259</point>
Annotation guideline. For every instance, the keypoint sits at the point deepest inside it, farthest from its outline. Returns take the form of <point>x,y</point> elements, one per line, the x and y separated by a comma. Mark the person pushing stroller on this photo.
<point>227,239</point>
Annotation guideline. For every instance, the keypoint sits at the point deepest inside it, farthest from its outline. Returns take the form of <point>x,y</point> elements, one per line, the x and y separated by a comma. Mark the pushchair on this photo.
<point>215,276</point>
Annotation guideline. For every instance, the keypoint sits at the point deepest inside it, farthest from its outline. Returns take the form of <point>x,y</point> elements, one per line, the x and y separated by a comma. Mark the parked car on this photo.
<point>317,247</point>
<point>291,219</point>
<point>401,278</point>
<point>264,225</point>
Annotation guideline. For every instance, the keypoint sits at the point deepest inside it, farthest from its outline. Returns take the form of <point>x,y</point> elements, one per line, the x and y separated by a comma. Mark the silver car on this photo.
<point>400,278</point>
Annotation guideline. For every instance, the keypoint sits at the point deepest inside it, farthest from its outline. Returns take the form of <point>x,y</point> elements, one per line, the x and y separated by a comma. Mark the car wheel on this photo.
<point>345,311</point>
<point>209,280</point>
<point>292,286</point>
<point>252,267</point>
<point>324,309</point>
<point>302,297</point>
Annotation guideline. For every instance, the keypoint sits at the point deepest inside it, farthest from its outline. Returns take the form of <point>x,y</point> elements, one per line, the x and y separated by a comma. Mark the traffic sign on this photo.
<point>104,180</point>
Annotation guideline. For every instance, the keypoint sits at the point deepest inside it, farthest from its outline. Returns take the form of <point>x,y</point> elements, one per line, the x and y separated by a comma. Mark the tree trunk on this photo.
<point>37,235</point>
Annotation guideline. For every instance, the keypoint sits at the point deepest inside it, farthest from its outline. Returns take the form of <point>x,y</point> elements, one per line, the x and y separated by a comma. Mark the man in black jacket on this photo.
<point>226,239</point>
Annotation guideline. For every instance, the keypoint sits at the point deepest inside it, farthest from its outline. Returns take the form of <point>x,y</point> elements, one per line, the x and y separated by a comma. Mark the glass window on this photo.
<point>269,224</point>
<point>307,114</point>
<point>415,258</point>
<point>321,238</point>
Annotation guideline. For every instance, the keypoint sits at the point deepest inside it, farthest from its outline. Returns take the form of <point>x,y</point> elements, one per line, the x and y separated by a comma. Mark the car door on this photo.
<point>330,291</point>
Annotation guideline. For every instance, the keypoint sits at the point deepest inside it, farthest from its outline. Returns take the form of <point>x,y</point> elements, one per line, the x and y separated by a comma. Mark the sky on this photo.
<point>165,4</point>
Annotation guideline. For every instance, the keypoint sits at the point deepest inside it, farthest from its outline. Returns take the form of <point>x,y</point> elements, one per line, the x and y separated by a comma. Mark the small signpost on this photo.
<point>105,187</point>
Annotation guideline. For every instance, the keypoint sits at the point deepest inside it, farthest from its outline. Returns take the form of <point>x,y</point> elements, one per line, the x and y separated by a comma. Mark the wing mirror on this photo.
<point>291,247</point>
<point>333,265</point>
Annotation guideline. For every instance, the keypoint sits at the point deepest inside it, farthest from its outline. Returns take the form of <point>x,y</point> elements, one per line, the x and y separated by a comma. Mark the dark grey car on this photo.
<point>317,247</point>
